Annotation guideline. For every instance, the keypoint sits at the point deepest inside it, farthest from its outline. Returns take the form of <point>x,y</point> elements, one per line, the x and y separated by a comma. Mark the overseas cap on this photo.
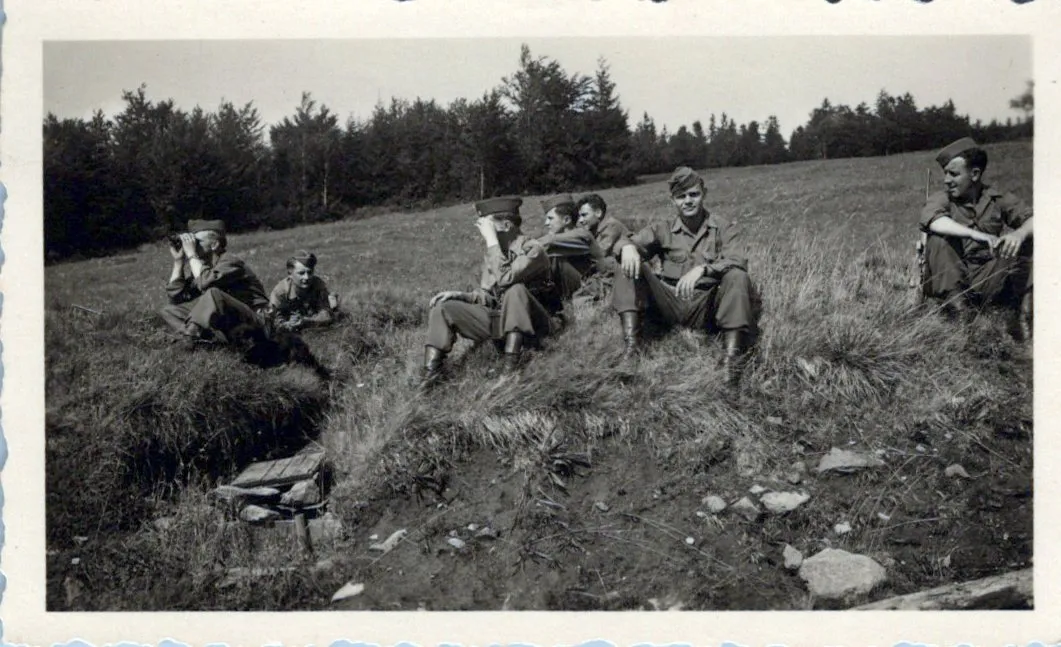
<point>206,225</point>
<point>551,203</point>
<point>309,259</point>
<point>682,179</point>
<point>504,207</point>
<point>950,151</point>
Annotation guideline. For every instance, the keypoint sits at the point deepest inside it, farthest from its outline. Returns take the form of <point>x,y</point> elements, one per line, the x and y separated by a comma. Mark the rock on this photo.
<point>472,527</point>
<point>302,494</point>
<point>839,575</point>
<point>388,544</point>
<point>373,537</point>
<point>757,489</point>
<point>326,529</point>
<point>747,509</point>
<point>921,449</point>
<point>456,542</point>
<point>349,590</point>
<point>701,514</point>
<point>602,506</point>
<point>956,470</point>
<point>690,541</point>
<point>782,502</point>
<point>162,524</point>
<point>232,493</point>
<point>487,533</point>
<point>793,558</point>
<point>774,420</point>
<point>714,503</point>
<point>842,528</point>
<point>258,514</point>
<point>846,461</point>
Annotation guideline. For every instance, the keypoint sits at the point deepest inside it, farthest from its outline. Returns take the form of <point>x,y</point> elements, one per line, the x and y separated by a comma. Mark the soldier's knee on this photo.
<point>518,293</point>
<point>736,277</point>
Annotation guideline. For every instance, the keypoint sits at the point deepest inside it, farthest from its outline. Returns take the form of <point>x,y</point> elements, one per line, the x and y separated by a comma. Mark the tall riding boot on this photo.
<point>513,350</point>
<point>431,372</point>
<point>631,322</point>
<point>733,361</point>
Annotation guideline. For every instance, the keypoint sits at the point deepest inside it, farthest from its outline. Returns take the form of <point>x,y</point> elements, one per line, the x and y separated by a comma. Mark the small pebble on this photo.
<point>884,517</point>
<point>473,527</point>
<point>373,537</point>
<point>842,528</point>
<point>774,420</point>
<point>757,489</point>
<point>690,541</point>
<point>602,506</point>
<point>75,561</point>
<point>455,542</point>
<point>956,470</point>
<point>921,448</point>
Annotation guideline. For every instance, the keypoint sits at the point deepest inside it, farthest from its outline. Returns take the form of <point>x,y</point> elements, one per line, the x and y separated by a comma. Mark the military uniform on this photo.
<point>573,253</point>
<point>964,267</point>
<point>312,305</point>
<point>224,296</point>
<point>607,235</point>
<point>722,300</point>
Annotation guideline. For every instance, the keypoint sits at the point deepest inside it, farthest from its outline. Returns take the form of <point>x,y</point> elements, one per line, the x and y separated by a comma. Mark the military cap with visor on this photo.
<point>506,207</point>
<point>195,225</point>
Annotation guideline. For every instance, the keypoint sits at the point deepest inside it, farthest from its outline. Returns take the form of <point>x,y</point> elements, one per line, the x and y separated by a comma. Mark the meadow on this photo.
<point>591,472</point>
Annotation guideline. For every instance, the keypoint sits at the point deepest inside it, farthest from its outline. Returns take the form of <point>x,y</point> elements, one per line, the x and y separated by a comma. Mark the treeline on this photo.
<point>115,183</point>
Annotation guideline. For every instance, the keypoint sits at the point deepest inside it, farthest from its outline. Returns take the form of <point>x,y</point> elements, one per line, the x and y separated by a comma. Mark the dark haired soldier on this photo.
<point>210,292</point>
<point>608,233</point>
<point>978,249</point>
<point>301,299</point>
<point>573,254</point>
<point>703,284</point>
<point>508,305</point>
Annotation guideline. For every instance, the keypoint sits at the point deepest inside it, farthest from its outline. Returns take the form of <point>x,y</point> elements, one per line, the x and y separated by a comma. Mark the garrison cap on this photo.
<point>309,259</point>
<point>505,207</point>
<point>551,203</point>
<point>206,225</point>
<point>682,179</point>
<point>954,149</point>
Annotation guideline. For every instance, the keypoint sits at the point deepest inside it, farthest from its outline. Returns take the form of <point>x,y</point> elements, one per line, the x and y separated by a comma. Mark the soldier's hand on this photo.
<point>448,295</point>
<point>630,260</point>
<point>1009,245</point>
<point>188,245</point>
<point>687,284</point>
<point>486,228</point>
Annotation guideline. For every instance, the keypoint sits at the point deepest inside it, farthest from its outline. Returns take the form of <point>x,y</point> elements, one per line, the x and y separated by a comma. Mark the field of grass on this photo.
<point>138,430</point>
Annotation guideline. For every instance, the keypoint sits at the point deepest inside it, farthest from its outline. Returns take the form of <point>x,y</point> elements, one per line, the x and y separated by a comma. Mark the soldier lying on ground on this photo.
<point>301,299</point>
<point>515,300</point>
<point>210,292</point>
<point>978,250</point>
<point>703,284</point>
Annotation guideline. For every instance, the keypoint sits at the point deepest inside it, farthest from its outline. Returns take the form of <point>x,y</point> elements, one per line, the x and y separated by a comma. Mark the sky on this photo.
<point>675,80</point>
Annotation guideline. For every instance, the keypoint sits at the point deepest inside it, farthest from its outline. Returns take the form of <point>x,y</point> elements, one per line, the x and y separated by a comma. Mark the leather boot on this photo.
<point>631,322</point>
<point>733,360</point>
<point>513,351</point>
<point>431,372</point>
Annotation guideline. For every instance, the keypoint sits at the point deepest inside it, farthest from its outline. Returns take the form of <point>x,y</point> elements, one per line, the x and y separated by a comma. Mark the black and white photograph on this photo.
<point>573,323</point>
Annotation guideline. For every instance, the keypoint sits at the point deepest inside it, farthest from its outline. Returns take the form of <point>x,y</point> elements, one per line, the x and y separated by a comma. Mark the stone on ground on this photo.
<point>747,509</point>
<point>793,558</point>
<point>842,528</point>
<point>782,502</point>
<point>835,574</point>
<point>388,544</point>
<point>956,470</point>
<point>349,590</point>
<point>846,461</point>
<point>714,503</point>
<point>258,514</point>
<point>301,494</point>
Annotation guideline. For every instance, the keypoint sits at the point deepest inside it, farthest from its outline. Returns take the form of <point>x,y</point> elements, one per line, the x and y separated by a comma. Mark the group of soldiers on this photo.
<point>681,272</point>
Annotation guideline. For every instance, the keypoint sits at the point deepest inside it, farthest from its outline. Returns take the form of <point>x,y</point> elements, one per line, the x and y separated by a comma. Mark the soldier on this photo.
<point>210,292</point>
<point>608,233</point>
<point>968,258</point>
<point>301,299</point>
<point>515,300</point>
<point>703,284</point>
<point>573,253</point>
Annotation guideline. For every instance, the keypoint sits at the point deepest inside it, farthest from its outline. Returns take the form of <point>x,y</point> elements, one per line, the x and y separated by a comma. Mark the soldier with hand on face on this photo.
<point>515,300</point>
<point>978,250</point>
<point>703,285</point>
<point>211,293</point>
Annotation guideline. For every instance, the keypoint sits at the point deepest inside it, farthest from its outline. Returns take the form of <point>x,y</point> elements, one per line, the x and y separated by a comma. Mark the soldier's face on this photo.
<point>301,275</point>
<point>554,222</point>
<point>690,201</point>
<point>588,217</point>
<point>959,178</point>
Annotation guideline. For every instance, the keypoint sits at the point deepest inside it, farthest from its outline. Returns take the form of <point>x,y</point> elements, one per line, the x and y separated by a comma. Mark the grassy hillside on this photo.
<point>845,360</point>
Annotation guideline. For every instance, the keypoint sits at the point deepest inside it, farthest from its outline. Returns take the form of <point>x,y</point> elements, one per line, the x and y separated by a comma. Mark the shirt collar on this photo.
<point>709,221</point>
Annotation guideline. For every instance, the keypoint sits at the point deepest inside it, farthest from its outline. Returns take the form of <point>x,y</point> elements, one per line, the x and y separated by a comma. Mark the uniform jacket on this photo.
<point>230,274</point>
<point>991,214</point>
<point>311,305</point>
<point>525,262</point>
<point>680,249</point>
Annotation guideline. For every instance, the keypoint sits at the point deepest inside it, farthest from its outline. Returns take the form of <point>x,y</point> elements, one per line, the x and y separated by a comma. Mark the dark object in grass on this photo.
<point>279,347</point>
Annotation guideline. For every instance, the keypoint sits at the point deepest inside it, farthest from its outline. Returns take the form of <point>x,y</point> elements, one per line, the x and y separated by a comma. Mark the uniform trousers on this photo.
<point>716,305</point>
<point>215,311</point>
<point>519,311</point>
<point>994,280</point>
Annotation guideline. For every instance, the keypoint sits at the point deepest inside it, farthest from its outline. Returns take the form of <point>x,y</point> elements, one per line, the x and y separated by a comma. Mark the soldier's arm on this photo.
<point>609,235</point>
<point>526,264</point>
<point>181,290</point>
<point>226,272</point>
<point>717,265</point>
<point>319,307</point>
<point>573,242</point>
<point>646,241</point>
<point>1016,213</point>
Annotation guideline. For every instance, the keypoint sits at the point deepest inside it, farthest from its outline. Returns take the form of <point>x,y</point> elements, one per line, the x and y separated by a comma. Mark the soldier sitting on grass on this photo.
<point>573,254</point>
<point>978,250</point>
<point>608,233</point>
<point>301,299</point>
<point>703,284</point>
<point>515,300</point>
<point>211,293</point>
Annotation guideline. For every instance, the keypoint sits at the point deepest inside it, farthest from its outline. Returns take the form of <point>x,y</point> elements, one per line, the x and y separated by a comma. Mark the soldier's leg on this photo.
<point>1001,281</point>
<point>450,318</point>
<point>567,277</point>
<point>521,312</point>
<point>218,312</point>
<point>176,316</point>
<point>944,266</point>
